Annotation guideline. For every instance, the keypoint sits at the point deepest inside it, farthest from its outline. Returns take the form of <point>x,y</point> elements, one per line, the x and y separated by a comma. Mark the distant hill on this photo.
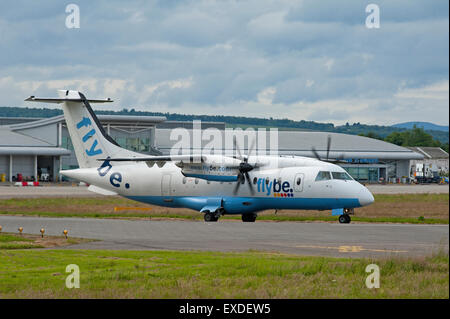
<point>424,125</point>
<point>240,121</point>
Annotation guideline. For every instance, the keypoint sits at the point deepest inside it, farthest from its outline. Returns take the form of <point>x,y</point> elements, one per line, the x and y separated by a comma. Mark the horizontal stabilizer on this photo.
<point>66,96</point>
<point>57,100</point>
<point>101,191</point>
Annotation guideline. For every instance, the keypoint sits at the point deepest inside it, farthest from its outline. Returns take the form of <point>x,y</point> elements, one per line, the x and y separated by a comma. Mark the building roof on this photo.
<point>430,152</point>
<point>122,119</point>
<point>301,143</point>
<point>13,139</point>
<point>29,150</point>
<point>7,120</point>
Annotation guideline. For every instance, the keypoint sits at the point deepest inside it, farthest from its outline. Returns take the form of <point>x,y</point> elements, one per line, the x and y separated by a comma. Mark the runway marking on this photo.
<point>351,249</point>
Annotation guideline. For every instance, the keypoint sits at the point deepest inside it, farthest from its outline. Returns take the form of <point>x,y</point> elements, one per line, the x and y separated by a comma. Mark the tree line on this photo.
<point>414,137</point>
<point>395,135</point>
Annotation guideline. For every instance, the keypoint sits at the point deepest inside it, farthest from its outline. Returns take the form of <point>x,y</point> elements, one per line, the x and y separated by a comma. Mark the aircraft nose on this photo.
<point>365,197</point>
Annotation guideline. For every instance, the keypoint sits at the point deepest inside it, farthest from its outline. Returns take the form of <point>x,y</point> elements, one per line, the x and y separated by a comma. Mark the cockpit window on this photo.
<point>341,175</point>
<point>323,176</point>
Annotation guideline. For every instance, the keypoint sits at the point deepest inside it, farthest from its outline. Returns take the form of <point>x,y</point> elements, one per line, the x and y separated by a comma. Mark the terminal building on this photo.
<point>31,146</point>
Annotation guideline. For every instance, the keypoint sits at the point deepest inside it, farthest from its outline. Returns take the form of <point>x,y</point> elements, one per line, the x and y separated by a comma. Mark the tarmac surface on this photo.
<point>318,239</point>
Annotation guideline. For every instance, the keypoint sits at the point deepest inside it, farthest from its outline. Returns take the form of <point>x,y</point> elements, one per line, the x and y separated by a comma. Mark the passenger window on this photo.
<point>323,176</point>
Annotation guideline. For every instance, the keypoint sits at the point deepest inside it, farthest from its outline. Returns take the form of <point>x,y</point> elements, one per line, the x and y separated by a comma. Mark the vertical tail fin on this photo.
<point>89,139</point>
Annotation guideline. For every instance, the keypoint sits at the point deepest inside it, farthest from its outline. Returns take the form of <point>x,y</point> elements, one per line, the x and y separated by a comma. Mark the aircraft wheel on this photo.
<point>209,217</point>
<point>249,218</point>
<point>344,219</point>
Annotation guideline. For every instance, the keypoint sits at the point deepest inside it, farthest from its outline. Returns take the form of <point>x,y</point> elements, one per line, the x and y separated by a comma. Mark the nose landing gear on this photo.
<point>345,219</point>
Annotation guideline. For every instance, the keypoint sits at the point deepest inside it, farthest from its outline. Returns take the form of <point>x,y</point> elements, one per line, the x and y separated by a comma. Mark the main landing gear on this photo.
<point>249,218</point>
<point>211,217</point>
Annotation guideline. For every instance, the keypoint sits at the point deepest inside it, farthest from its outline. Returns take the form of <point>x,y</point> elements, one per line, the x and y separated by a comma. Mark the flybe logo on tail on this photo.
<point>86,122</point>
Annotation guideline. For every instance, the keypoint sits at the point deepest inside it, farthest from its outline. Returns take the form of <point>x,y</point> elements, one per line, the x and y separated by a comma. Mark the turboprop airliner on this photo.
<point>210,184</point>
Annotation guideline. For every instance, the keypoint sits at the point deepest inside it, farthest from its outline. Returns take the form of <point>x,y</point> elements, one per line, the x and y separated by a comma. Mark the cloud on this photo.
<point>296,59</point>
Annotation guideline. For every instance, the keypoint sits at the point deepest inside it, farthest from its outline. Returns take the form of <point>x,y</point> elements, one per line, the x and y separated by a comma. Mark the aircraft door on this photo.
<point>165,185</point>
<point>298,182</point>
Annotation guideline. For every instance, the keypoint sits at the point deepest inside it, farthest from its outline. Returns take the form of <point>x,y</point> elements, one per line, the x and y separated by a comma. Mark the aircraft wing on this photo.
<point>157,158</point>
<point>210,167</point>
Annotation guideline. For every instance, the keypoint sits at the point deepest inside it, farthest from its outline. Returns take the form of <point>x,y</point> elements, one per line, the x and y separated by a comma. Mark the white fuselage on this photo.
<point>290,183</point>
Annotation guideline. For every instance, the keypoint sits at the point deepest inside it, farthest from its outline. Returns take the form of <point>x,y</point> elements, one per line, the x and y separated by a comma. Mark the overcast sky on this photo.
<point>311,60</point>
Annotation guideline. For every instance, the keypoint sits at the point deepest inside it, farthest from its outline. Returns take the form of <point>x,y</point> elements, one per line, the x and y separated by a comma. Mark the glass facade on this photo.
<point>136,144</point>
<point>66,143</point>
<point>364,174</point>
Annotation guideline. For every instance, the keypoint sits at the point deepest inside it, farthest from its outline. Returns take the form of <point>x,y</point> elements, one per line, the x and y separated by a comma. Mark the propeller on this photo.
<point>244,167</point>
<point>327,159</point>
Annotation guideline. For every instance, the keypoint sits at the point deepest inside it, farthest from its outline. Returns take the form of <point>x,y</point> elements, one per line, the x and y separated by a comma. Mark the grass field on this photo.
<point>25,241</point>
<point>398,208</point>
<point>169,274</point>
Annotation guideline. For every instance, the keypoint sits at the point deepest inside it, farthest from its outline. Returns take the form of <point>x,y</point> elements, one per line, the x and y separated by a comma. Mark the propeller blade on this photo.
<point>236,147</point>
<point>238,184</point>
<point>315,153</point>
<point>250,185</point>
<point>328,146</point>
<point>339,159</point>
<point>250,149</point>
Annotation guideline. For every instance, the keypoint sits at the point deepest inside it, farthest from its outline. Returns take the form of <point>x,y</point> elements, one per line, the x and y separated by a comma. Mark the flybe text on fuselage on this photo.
<point>274,188</point>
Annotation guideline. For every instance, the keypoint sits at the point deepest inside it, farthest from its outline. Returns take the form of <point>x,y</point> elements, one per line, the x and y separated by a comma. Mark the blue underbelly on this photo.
<point>239,205</point>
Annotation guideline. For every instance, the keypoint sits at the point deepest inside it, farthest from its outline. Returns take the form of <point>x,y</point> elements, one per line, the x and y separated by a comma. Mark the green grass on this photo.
<point>11,238</point>
<point>102,207</point>
<point>395,198</point>
<point>26,241</point>
<point>8,246</point>
<point>169,274</point>
<point>9,241</point>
